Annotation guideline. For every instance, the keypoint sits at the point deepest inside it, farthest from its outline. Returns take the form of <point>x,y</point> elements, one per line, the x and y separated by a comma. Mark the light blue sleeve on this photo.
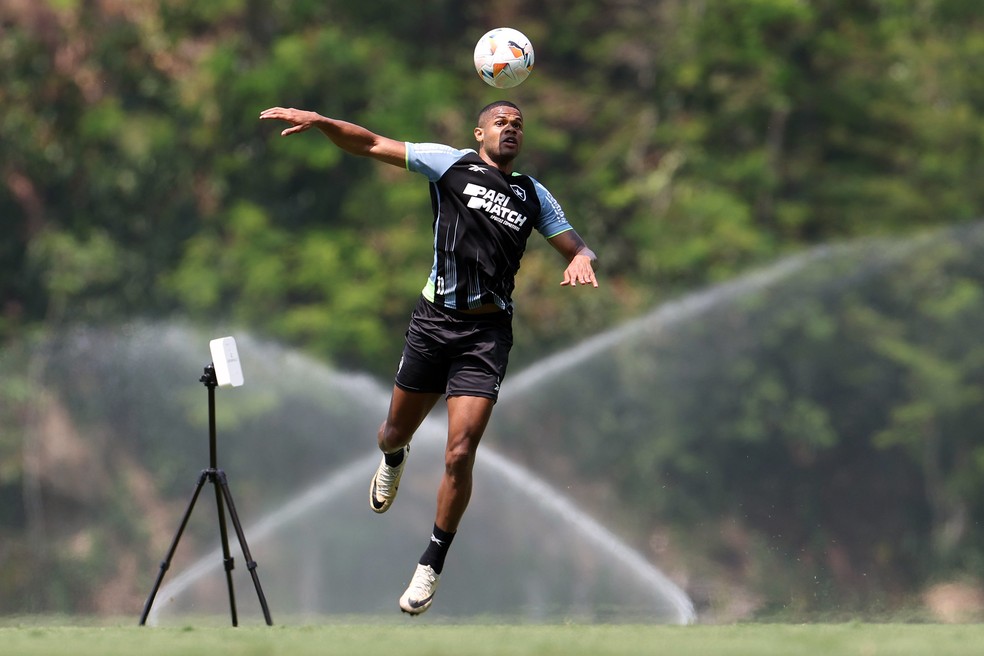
<point>432,160</point>
<point>552,220</point>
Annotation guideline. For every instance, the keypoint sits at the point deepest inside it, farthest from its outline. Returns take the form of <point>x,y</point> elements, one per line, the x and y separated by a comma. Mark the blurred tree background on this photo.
<point>689,142</point>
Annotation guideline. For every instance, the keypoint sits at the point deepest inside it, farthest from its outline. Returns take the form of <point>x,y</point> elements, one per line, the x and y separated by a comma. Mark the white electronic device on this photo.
<point>225,360</point>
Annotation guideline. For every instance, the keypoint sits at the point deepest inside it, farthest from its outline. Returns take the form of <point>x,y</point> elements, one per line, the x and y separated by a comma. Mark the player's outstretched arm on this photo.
<point>579,257</point>
<point>349,137</point>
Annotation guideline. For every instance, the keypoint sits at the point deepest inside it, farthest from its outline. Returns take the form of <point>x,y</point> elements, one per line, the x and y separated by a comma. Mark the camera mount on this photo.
<point>223,497</point>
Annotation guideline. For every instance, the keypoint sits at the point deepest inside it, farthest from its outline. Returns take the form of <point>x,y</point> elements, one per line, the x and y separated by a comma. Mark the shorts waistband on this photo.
<point>466,316</point>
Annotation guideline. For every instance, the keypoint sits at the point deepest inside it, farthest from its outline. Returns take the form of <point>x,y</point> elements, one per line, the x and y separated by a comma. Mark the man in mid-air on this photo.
<point>460,333</point>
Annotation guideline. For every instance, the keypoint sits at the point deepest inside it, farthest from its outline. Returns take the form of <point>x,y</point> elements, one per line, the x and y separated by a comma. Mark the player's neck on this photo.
<point>506,166</point>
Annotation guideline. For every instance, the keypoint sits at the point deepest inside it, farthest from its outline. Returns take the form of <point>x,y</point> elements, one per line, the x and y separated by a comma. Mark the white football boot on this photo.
<point>420,592</point>
<point>386,483</point>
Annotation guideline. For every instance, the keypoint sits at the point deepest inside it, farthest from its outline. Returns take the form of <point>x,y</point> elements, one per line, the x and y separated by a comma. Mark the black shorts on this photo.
<point>455,353</point>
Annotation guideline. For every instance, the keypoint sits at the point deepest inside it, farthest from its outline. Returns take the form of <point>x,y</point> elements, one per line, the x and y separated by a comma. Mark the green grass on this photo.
<point>414,638</point>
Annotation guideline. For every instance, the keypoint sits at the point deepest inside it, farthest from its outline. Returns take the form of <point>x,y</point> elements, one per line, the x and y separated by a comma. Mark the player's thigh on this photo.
<point>407,411</point>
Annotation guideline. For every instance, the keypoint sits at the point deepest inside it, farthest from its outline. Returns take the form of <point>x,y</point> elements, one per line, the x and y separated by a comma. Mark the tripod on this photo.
<point>218,479</point>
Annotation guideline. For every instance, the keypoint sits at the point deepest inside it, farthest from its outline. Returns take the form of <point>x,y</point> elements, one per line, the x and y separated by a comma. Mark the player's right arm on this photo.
<point>349,137</point>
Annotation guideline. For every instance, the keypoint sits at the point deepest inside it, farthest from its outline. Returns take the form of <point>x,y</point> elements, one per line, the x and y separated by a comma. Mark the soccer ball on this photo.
<point>503,57</point>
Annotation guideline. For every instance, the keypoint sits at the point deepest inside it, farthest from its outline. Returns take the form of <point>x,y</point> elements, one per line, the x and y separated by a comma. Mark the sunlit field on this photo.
<point>418,637</point>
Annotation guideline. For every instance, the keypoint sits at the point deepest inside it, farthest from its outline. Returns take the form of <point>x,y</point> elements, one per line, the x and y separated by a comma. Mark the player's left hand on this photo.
<point>579,272</point>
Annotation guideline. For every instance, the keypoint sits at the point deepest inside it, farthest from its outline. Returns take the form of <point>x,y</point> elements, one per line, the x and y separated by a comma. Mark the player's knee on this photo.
<point>390,439</point>
<point>459,459</point>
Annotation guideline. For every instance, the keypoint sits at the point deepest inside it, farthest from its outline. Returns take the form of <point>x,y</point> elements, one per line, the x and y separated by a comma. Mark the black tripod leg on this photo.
<point>250,563</point>
<point>218,480</point>
<point>166,563</point>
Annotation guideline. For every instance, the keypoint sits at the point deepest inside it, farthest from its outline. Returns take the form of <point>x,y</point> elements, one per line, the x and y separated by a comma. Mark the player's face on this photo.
<point>501,134</point>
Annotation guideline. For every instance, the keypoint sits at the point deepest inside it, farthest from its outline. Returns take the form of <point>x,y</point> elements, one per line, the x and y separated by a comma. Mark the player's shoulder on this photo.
<point>436,149</point>
<point>433,159</point>
<point>541,189</point>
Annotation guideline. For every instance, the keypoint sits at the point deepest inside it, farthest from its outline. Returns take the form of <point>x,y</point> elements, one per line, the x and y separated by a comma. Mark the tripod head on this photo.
<point>209,376</point>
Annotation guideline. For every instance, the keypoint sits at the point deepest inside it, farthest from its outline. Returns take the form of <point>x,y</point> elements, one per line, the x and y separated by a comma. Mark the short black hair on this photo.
<point>498,103</point>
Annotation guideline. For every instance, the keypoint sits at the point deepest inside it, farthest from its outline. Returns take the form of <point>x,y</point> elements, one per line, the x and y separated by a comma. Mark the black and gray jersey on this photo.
<point>482,221</point>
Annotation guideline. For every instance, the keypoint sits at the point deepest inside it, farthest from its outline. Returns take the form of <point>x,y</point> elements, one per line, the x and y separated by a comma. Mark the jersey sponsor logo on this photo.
<point>495,204</point>
<point>476,168</point>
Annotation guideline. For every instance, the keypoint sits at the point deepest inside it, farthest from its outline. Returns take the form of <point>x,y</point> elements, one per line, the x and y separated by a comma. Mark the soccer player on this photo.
<point>460,332</point>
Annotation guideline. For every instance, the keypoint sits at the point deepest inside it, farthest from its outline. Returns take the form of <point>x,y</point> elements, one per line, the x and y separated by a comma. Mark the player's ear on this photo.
<point>479,134</point>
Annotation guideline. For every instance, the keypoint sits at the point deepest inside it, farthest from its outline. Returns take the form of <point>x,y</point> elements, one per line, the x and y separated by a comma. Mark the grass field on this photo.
<point>420,638</point>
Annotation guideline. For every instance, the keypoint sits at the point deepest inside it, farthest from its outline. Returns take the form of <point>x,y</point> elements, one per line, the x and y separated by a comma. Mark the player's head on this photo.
<point>500,133</point>
<point>489,110</point>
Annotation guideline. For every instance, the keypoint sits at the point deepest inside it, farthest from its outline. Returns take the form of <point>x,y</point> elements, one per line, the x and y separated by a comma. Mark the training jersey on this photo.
<point>482,221</point>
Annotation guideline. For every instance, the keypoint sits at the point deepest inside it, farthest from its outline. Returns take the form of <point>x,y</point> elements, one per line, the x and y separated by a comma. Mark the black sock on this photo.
<point>437,549</point>
<point>395,458</point>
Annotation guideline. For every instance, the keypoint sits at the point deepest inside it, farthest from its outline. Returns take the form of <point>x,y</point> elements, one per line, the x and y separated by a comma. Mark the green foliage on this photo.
<point>687,141</point>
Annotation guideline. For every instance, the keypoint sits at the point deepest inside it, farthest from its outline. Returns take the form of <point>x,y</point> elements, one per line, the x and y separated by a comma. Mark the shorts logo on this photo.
<point>400,367</point>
